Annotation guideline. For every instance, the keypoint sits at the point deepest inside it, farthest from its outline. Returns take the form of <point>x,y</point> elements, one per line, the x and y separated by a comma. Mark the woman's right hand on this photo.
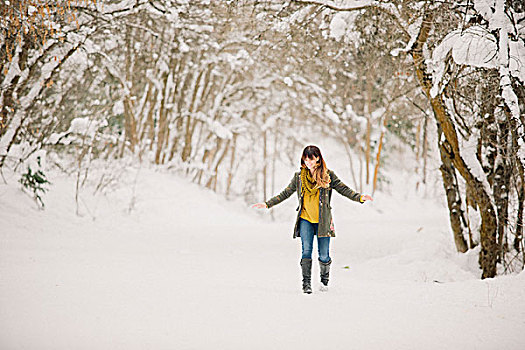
<point>259,206</point>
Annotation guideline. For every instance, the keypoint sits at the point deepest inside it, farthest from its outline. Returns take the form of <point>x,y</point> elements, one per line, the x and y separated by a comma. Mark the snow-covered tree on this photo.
<point>469,61</point>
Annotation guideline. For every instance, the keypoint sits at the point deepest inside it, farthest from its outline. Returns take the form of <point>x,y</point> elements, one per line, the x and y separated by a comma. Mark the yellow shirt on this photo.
<point>310,210</point>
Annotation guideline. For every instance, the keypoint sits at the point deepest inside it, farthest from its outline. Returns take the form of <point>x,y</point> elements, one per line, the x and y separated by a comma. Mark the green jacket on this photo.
<point>325,210</point>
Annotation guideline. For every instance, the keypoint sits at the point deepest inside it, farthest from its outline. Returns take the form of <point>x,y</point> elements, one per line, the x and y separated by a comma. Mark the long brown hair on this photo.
<point>320,172</point>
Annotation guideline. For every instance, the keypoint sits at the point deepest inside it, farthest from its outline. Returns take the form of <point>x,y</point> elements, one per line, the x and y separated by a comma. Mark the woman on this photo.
<point>313,185</point>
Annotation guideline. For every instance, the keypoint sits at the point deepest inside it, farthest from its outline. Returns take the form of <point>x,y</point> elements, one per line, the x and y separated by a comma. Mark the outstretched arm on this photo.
<point>287,192</point>
<point>346,191</point>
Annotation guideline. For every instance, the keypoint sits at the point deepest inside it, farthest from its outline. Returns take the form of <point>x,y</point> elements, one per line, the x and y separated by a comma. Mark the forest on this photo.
<point>224,91</point>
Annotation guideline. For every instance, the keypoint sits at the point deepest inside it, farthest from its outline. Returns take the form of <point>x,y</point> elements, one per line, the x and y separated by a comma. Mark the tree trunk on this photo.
<point>232,162</point>
<point>489,247</point>
<point>186,150</point>
<point>456,214</point>
<point>368,114</point>
<point>162,124</point>
<point>378,155</point>
<point>180,81</point>
<point>265,157</point>
<point>425,148</point>
<point>502,185</point>
<point>218,163</point>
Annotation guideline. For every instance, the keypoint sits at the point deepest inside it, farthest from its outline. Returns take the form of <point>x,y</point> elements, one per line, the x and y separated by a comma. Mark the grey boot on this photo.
<point>306,267</point>
<point>325,271</point>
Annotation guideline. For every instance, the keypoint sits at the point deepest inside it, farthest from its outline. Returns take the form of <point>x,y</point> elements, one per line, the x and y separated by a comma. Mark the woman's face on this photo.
<point>311,162</point>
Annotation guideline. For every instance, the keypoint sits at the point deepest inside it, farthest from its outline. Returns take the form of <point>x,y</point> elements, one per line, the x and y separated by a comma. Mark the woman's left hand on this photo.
<point>366,197</point>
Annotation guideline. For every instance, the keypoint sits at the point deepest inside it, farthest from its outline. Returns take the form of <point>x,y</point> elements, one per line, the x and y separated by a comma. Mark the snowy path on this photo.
<point>185,271</point>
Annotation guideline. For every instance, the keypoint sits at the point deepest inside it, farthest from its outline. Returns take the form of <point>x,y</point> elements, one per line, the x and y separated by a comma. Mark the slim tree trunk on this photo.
<point>162,124</point>
<point>456,215</point>
<point>274,160</point>
<point>180,86</point>
<point>502,186</point>
<point>130,125</point>
<point>517,171</point>
<point>145,129</point>
<point>378,155</point>
<point>232,163</point>
<point>418,141</point>
<point>425,148</point>
<point>360,174</point>
<point>190,124</point>
<point>368,126</point>
<point>520,183</point>
<point>218,163</point>
<point>265,157</point>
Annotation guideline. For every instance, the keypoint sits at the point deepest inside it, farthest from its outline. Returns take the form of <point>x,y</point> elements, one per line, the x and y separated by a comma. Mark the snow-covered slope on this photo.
<point>184,269</point>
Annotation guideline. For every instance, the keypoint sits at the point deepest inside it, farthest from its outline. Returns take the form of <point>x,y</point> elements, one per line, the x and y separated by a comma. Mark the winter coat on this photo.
<point>325,210</point>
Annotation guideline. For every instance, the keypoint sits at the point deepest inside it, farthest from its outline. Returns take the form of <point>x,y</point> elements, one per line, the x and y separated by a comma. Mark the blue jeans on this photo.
<point>307,231</point>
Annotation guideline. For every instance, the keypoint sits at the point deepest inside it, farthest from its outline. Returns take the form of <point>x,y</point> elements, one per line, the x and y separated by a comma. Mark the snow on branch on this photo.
<point>499,21</point>
<point>477,47</point>
<point>474,47</point>
<point>413,31</point>
<point>341,5</point>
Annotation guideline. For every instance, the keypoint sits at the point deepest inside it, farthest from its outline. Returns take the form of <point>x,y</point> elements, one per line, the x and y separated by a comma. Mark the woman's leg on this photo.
<point>307,241</point>
<point>323,246</point>
<point>306,230</point>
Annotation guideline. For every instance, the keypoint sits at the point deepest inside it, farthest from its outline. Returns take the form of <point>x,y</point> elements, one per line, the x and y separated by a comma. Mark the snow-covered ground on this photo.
<point>186,269</point>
